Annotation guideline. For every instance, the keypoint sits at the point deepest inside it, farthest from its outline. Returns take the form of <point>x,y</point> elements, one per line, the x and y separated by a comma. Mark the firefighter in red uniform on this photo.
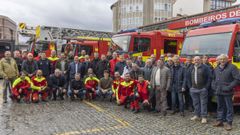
<point>91,84</point>
<point>40,82</point>
<point>53,60</point>
<point>115,85</point>
<point>142,94</point>
<point>22,88</point>
<point>126,91</point>
<point>113,63</point>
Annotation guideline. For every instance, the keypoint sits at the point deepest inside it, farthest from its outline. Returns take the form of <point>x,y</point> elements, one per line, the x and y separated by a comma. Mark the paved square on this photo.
<point>98,117</point>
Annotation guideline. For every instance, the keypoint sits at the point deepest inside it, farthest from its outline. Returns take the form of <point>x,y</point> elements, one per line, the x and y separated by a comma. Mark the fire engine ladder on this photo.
<point>69,33</point>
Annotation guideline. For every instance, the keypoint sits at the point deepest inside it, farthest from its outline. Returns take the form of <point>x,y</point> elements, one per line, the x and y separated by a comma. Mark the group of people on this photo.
<point>154,85</point>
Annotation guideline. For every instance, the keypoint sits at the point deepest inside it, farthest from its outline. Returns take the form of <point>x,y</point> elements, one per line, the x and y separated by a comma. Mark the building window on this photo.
<point>141,44</point>
<point>159,6</point>
<point>137,8</point>
<point>217,4</point>
<point>166,7</point>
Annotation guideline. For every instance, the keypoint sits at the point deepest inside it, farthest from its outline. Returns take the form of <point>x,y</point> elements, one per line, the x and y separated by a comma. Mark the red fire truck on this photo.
<point>213,39</point>
<point>147,43</point>
<point>90,45</point>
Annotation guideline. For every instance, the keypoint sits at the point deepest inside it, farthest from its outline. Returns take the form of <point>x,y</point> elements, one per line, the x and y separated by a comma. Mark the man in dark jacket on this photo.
<point>135,72</point>
<point>226,77</point>
<point>211,104</point>
<point>199,79</point>
<point>109,55</point>
<point>147,70</point>
<point>57,84</point>
<point>120,65</point>
<point>87,64</point>
<point>188,99</point>
<point>44,65</point>
<point>140,62</point>
<point>18,59</point>
<point>95,62</point>
<point>30,65</point>
<point>75,67</point>
<point>169,64</point>
<point>177,89</point>
<point>77,88</point>
<point>102,65</point>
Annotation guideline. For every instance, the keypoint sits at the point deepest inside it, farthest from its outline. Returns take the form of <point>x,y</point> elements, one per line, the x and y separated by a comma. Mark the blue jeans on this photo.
<point>177,95</point>
<point>200,101</point>
<point>80,94</point>
<point>107,94</point>
<point>225,109</point>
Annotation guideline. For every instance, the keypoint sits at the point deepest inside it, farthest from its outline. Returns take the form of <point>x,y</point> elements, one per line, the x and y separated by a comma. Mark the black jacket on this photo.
<point>19,63</point>
<point>147,71</point>
<point>188,68</point>
<point>101,66</point>
<point>45,66</point>
<point>204,77</point>
<point>120,67</point>
<point>225,79</point>
<point>134,74</point>
<point>56,82</point>
<point>30,66</point>
<point>95,62</point>
<point>178,77</point>
<point>77,85</point>
<point>87,65</point>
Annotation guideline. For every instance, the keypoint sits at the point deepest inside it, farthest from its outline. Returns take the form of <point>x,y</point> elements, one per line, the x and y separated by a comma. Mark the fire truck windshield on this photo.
<point>212,45</point>
<point>122,42</point>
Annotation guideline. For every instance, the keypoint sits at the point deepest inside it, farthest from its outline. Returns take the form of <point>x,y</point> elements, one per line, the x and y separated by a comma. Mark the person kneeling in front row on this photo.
<point>22,88</point>
<point>105,83</point>
<point>58,85</point>
<point>40,82</point>
<point>77,88</point>
<point>141,95</point>
<point>91,84</point>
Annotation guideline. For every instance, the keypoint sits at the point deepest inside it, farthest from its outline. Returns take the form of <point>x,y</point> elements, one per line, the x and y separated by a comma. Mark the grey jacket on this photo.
<point>225,79</point>
<point>165,78</point>
<point>147,71</point>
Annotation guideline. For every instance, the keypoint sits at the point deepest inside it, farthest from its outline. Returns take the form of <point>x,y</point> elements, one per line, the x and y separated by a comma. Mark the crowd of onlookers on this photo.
<point>154,85</point>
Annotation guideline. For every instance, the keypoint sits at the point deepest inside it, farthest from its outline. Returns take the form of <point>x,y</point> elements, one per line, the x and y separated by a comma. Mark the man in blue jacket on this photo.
<point>177,89</point>
<point>75,67</point>
<point>226,77</point>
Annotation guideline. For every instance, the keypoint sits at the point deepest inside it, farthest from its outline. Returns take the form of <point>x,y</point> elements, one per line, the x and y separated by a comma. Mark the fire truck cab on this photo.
<point>213,39</point>
<point>147,43</point>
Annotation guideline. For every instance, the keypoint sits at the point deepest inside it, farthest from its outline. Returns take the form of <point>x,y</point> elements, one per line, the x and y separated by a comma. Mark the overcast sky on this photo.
<point>82,14</point>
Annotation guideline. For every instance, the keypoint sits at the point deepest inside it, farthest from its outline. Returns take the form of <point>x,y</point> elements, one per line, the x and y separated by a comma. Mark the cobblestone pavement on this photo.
<point>98,117</point>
